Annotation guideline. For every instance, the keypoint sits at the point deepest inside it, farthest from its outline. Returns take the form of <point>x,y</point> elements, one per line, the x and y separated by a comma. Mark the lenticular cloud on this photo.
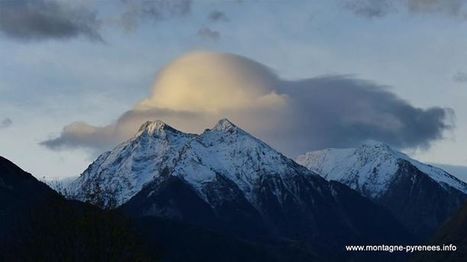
<point>197,89</point>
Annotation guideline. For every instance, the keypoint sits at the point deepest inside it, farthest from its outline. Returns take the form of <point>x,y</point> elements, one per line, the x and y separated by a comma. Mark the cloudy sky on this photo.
<point>78,77</point>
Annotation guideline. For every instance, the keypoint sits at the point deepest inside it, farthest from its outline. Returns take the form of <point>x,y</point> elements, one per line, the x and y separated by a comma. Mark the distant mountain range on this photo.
<point>421,196</point>
<point>229,181</point>
<point>224,195</point>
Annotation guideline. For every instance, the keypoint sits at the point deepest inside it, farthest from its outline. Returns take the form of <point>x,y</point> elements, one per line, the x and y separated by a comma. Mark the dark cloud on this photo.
<point>137,11</point>
<point>460,77</point>
<point>380,8</point>
<point>292,116</point>
<point>80,134</point>
<point>208,34</point>
<point>7,122</point>
<point>344,112</point>
<point>369,8</point>
<point>57,19</point>
<point>47,19</point>
<point>217,16</point>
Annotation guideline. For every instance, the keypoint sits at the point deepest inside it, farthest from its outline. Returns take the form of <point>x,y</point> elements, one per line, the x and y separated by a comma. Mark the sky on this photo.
<point>78,77</point>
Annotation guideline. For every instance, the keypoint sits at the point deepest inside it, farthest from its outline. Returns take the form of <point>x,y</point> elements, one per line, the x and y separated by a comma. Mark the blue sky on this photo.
<point>418,51</point>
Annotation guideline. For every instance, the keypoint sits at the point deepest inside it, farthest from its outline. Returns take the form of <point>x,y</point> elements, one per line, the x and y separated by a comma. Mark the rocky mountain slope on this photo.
<point>421,196</point>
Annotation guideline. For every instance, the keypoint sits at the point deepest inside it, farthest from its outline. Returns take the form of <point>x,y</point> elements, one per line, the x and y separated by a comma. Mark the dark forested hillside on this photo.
<point>37,224</point>
<point>453,232</point>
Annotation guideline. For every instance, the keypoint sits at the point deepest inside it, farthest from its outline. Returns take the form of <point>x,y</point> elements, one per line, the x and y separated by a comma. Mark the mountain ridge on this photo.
<point>156,141</point>
<point>421,196</point>
<point>226,180</point>
<point>38,224</point>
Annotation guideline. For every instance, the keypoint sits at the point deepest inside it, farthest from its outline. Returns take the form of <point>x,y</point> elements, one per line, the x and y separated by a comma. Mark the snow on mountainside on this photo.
<point>370,168</point>
<point>157,148</point>
<point>119,174</point>
<point>60,185</point>
<point>420,196</point>
<point>227,149</point>
<point>455,170</point>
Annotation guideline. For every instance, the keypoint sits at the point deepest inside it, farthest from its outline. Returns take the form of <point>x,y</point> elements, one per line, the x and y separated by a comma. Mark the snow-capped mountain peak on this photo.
<point>155,128</point>
<point>229,150</point>
<point>224,125</point>
<point>421,196</point>
<point>159,149</point>
<point>370,167</point>
<point>119,174</point>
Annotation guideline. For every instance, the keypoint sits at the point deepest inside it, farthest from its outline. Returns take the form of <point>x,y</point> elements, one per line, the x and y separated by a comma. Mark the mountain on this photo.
<point>37,224</point>
<point>228,181</point>
<point>118,175</point>
<point>19,193</point>
<point>421,196</point>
